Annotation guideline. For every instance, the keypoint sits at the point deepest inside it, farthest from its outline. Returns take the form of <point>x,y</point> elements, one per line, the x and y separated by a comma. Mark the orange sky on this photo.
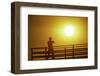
<point>40,28</point>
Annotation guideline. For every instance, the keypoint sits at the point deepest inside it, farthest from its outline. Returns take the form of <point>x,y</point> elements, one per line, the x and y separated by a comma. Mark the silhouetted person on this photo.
<point>50,48</point>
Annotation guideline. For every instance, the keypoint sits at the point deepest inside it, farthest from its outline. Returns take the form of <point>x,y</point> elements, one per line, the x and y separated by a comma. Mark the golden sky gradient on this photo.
<point>41,27</point>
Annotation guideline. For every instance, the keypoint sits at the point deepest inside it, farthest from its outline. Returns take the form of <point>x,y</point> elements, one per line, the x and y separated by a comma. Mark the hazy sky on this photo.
<point>40,28</point>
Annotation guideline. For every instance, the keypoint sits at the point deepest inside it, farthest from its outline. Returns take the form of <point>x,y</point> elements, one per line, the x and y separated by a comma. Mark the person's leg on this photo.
<point>48,54</point>
<point>53,57</point>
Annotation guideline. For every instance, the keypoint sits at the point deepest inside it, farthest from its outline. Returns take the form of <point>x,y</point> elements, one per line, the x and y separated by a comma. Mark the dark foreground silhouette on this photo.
<point>59,52</point>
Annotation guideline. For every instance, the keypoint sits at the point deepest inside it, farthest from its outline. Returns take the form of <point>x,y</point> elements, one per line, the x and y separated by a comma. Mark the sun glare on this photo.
<point>69,31</point>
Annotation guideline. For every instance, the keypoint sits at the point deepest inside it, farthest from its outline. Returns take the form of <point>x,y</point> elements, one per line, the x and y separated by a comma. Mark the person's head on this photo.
<point>50,38</point>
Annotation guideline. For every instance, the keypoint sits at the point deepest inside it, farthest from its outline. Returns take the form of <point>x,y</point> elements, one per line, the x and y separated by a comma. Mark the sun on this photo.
<point>69,31</point>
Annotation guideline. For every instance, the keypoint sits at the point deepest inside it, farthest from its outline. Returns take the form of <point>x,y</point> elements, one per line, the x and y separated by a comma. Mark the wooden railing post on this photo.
<point>46,56</point>
<point>65,52</point>
<point>31,54</point>
<point>73,50</point>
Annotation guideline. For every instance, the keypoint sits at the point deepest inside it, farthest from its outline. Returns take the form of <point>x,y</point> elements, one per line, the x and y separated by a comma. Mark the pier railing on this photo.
<point>60,52</point>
